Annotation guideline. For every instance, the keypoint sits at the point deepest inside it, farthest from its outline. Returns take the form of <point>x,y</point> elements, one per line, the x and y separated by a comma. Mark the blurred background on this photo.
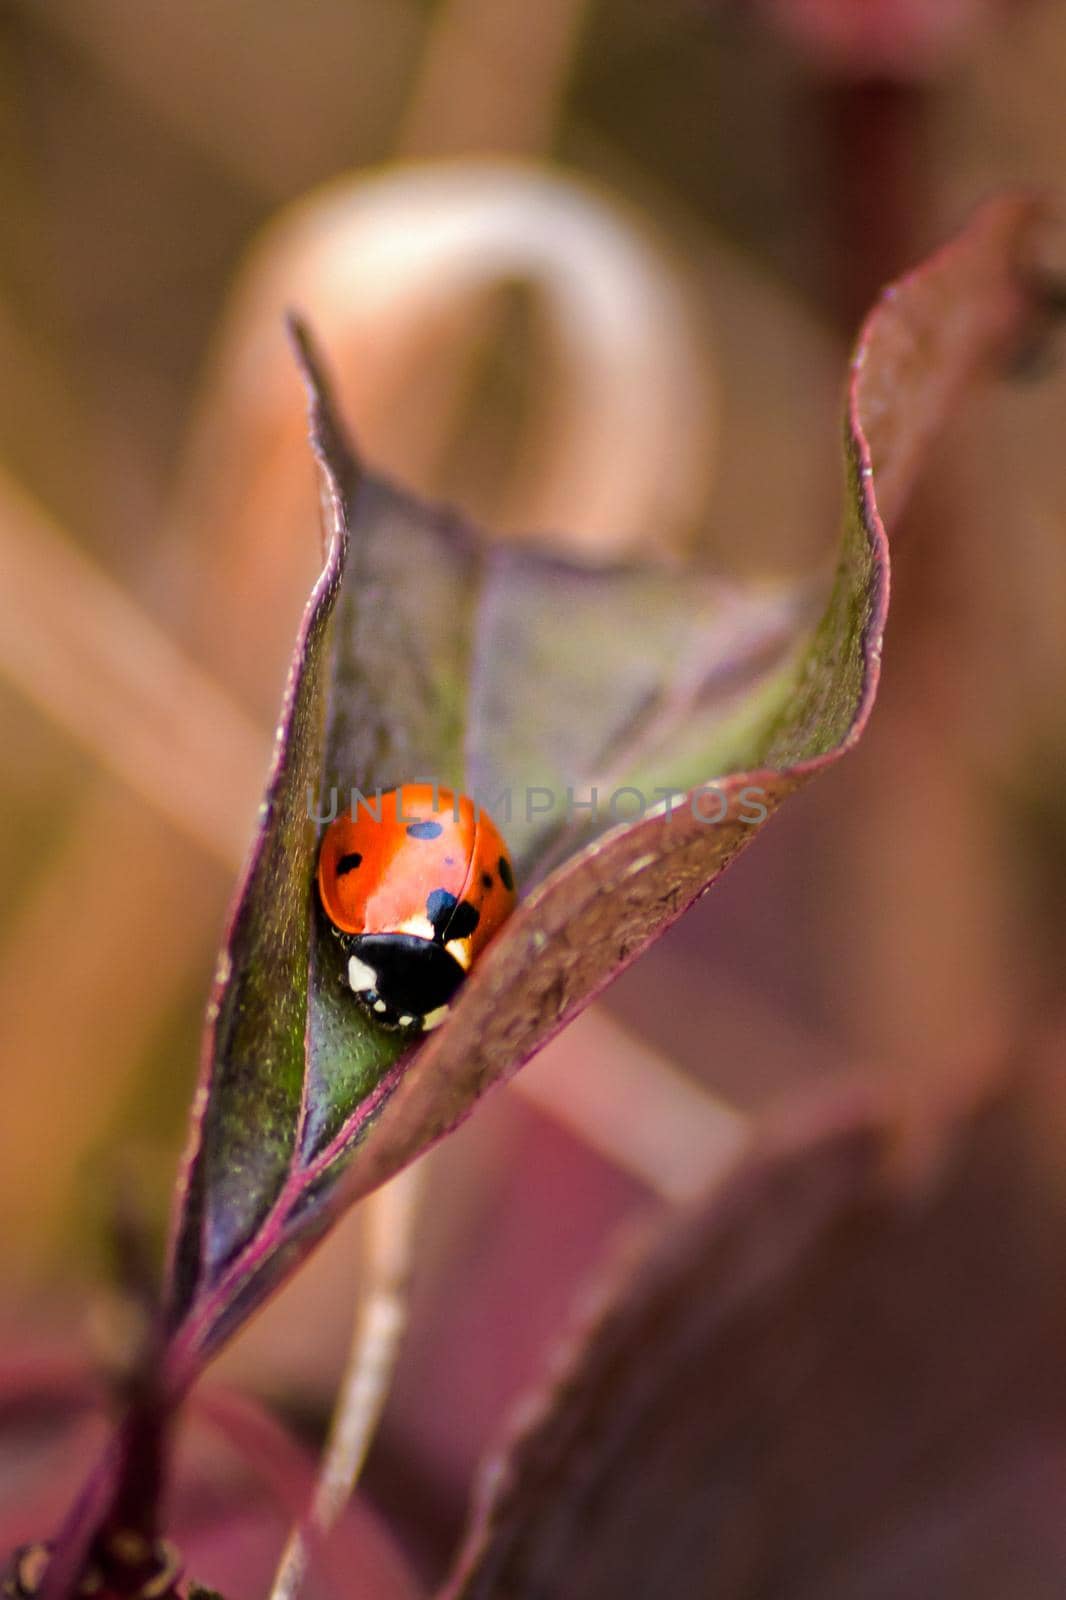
<point>581,267</point>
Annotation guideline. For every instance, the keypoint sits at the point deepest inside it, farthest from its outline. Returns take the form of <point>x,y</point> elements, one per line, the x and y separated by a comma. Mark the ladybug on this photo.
<point>415,886</point>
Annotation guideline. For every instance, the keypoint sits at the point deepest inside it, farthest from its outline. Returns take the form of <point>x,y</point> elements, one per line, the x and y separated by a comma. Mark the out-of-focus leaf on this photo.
<point>843,1377</point>
<point>901,39</point>
<point>427,651</point>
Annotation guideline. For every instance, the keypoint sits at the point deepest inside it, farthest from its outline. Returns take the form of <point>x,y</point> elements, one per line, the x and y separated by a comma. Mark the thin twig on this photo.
<point>389,1221</point>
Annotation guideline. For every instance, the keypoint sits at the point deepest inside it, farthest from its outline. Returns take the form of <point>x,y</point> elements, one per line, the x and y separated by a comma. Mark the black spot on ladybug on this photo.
<point>424,830</point>
<point>439,907</point>
<point>506,875</point>
<point>464,920</point>
<point>349,863</point>
<point>451,918</point>
<point>486,880</point>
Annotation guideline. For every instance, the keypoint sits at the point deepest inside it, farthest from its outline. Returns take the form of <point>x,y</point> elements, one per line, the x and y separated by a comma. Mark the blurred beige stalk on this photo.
<point>493,75</point>
<point>395,274</point>
<point>372,262</point>
<point>91,659</point>
<point>617,1093</point>
<point>269,95</point>
<point>103,947</point>
<point>380,1324</point>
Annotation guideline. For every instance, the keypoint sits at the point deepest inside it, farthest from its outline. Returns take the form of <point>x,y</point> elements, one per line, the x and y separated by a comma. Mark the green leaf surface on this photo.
<point>429,651</point>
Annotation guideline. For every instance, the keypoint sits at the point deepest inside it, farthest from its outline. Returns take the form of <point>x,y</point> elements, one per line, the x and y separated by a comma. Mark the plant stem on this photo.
<point>380,1323</point>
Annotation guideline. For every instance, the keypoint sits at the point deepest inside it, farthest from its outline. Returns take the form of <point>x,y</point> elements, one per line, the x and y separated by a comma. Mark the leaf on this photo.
<point>842,1377</point>
<point>428,651</point>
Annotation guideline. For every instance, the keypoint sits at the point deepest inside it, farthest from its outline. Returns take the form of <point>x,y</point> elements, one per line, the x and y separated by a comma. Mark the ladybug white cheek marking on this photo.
<point>420,926</point>
<point>433,1019</point>
<point>460,949</point>
<point>360,976</point>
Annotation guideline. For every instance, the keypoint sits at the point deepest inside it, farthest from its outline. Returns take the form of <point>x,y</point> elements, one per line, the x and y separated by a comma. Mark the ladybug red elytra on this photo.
<point>415,883</point>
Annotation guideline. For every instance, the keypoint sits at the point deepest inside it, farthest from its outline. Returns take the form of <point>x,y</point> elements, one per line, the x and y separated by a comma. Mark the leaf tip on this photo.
<point>329,437</point>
